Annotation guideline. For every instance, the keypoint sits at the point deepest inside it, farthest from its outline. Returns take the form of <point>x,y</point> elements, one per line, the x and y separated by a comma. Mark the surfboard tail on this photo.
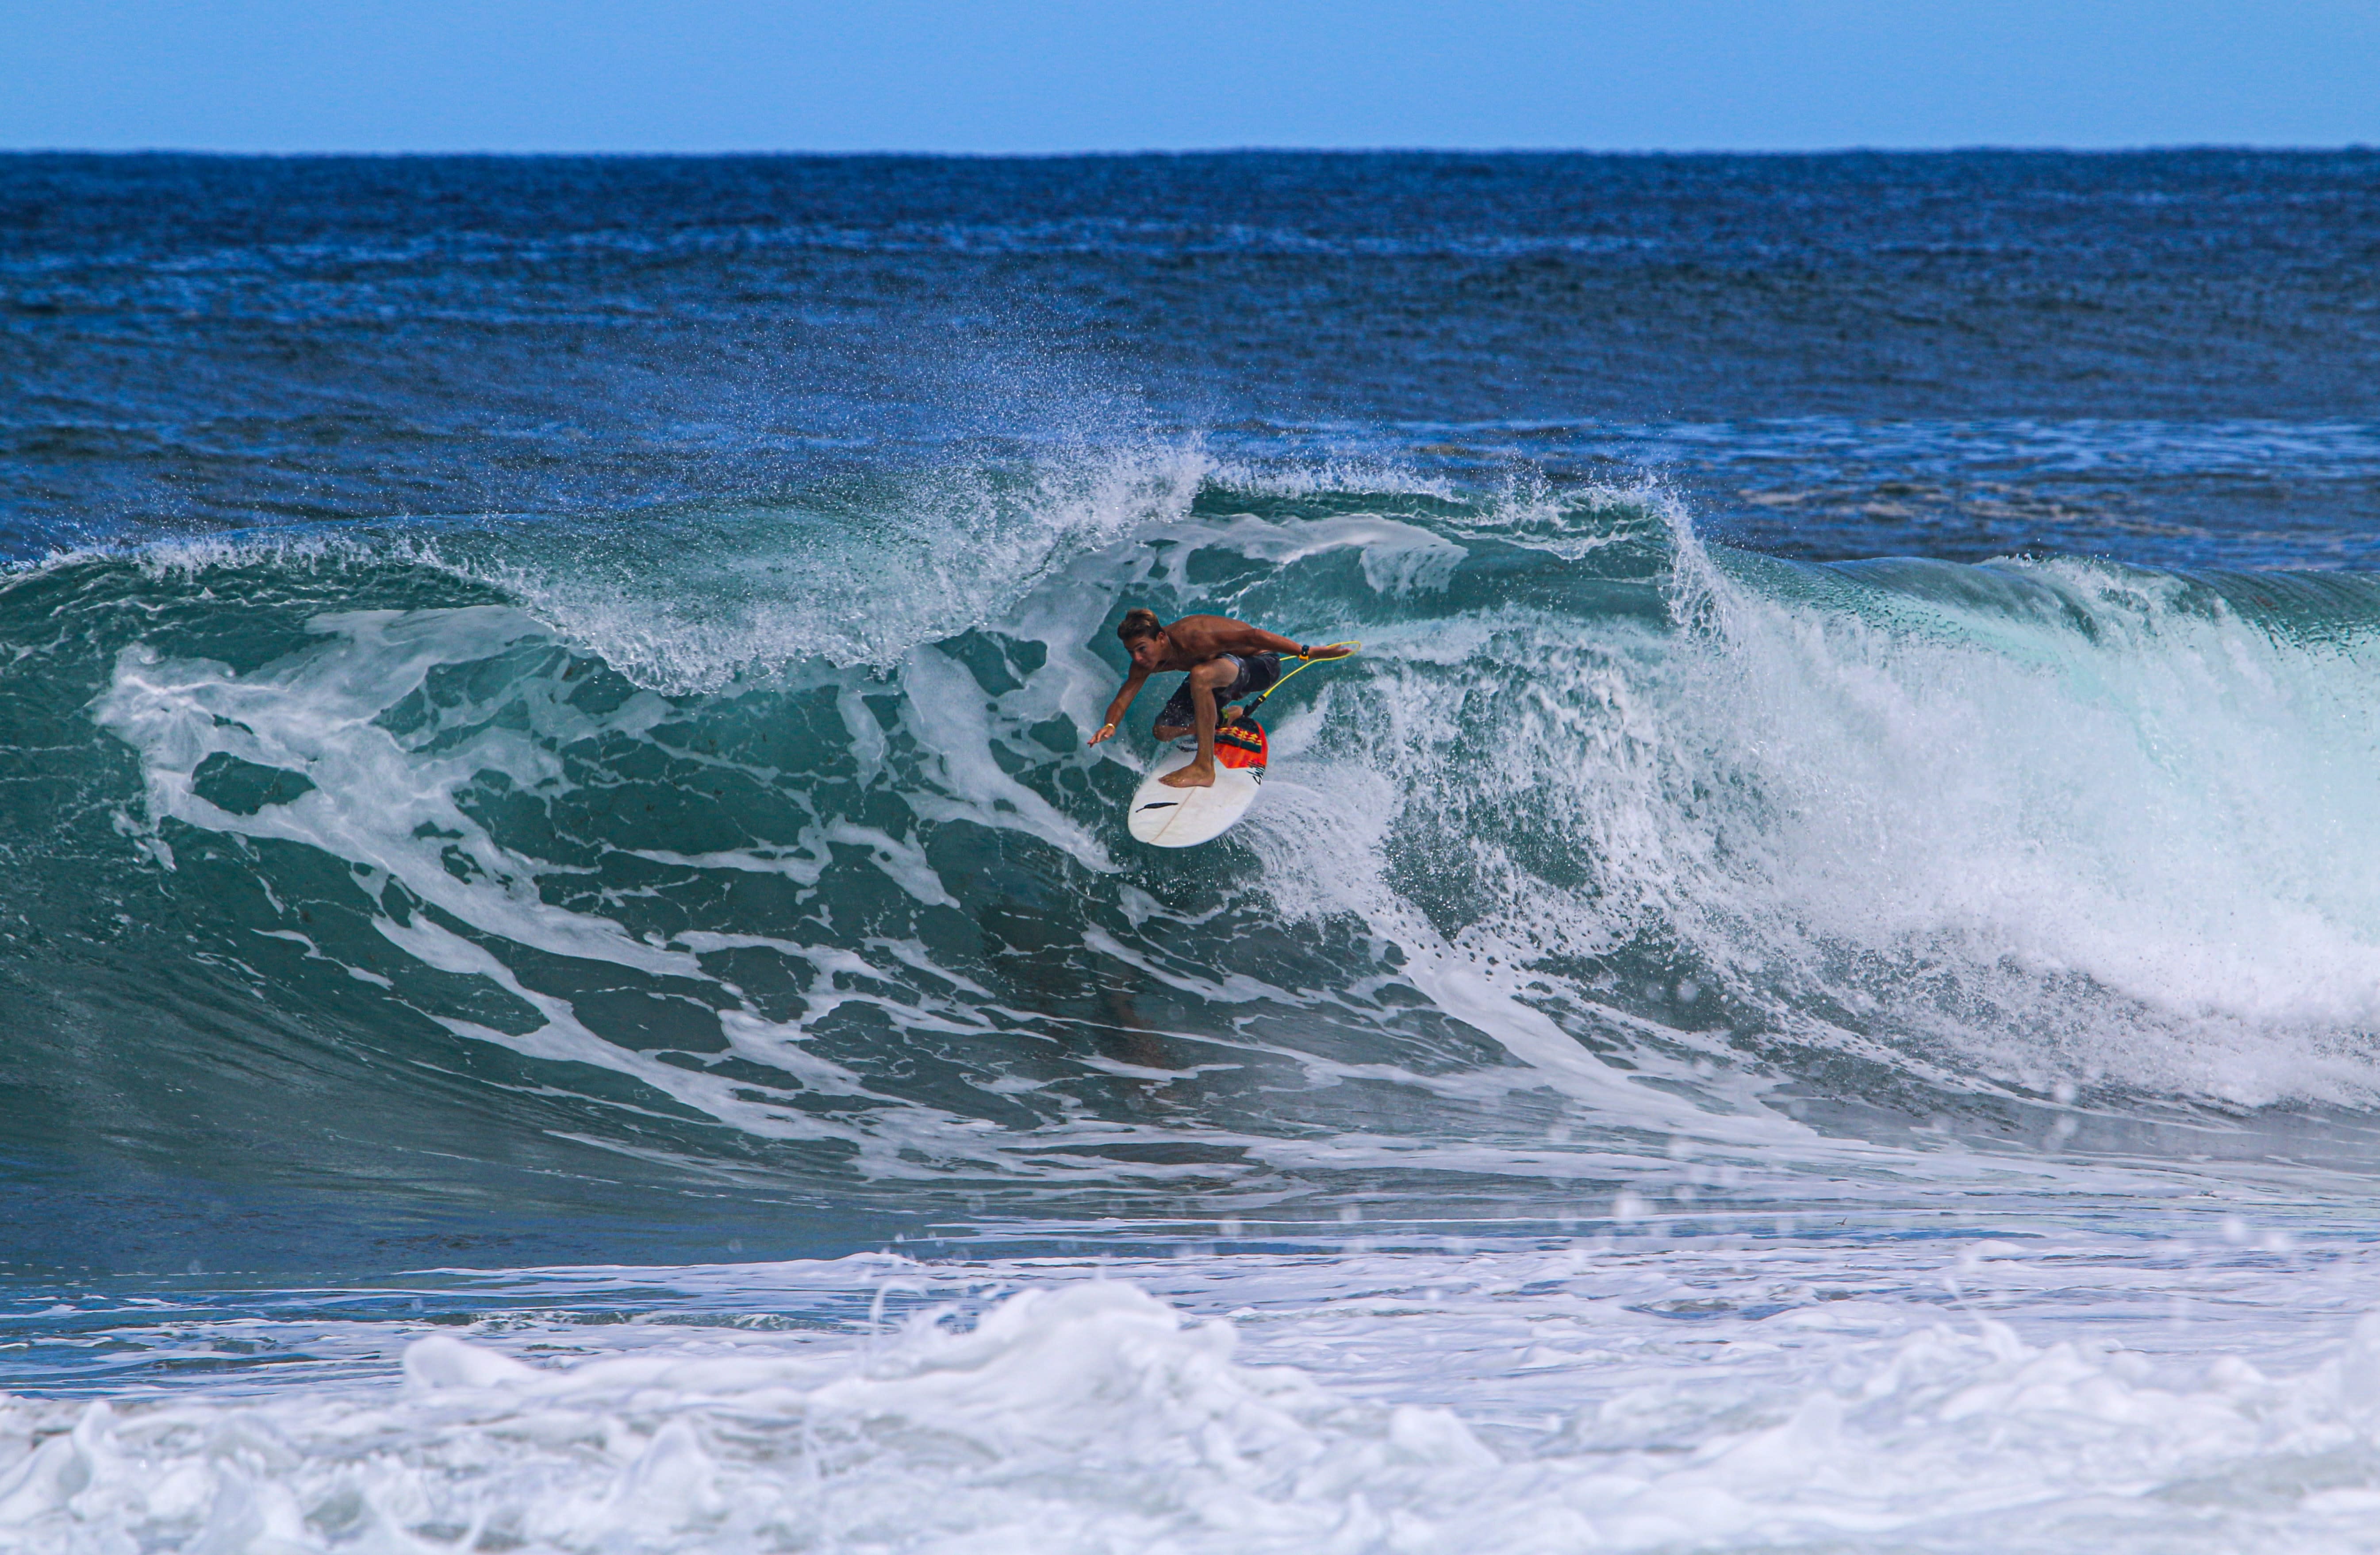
<point>1240,744</point>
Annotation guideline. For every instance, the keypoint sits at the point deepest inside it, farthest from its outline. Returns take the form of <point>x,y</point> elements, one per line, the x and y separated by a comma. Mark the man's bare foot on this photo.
<point>1197,774</point>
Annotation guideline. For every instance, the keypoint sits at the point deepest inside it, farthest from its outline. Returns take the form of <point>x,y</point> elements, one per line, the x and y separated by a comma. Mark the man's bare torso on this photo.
<point>1195,639</point>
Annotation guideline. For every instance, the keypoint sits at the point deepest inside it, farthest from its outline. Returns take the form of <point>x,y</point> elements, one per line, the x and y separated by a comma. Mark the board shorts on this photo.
<point>1256,673</point>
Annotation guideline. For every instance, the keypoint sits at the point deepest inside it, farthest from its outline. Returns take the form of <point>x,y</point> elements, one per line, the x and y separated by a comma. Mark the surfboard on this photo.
<point>1165,817</point>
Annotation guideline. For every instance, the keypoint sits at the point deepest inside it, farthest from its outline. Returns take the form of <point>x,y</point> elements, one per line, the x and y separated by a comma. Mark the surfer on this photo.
<point>1227,661</point>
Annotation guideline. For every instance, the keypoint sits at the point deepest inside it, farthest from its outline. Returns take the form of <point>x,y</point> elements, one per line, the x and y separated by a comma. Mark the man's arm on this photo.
<point>1255,639</point>
<point>1132,684</point>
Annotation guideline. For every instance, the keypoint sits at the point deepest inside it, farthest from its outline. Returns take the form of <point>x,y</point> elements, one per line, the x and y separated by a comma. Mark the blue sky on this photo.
<point>935,75</point>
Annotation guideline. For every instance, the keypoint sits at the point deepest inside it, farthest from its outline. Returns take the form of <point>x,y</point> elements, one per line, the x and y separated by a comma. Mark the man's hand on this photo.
<point>1103,731</point>
<point>1326,651</point>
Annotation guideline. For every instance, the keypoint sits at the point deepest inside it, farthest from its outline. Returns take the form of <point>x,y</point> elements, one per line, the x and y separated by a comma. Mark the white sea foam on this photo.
<point>2040,1393</point>
<point>2130,853</point>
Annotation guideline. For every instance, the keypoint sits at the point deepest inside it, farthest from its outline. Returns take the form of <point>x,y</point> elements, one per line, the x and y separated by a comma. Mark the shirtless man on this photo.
<point>1227,659</point>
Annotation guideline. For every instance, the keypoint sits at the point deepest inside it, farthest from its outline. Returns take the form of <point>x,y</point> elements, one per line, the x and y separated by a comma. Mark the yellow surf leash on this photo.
<point>1352,647</point>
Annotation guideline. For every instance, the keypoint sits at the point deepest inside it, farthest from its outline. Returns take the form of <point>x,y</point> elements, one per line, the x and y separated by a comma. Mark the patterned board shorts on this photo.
<point>1256,673</point>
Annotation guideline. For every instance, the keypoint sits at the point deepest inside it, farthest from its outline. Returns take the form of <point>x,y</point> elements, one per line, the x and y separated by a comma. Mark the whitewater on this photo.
<point>1815,986</point>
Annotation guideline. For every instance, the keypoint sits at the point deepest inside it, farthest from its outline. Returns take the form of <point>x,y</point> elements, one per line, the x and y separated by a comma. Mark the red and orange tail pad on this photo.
<point>1240,744</point>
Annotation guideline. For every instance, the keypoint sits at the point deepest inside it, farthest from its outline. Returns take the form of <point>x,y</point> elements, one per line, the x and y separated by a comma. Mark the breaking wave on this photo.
<point>756,850</point>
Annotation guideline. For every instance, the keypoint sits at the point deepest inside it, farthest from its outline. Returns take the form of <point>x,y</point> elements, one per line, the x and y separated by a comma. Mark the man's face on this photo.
<point>1148,652</point>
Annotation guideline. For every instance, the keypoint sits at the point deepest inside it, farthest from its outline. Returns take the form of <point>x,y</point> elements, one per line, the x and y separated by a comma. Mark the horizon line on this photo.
<point>1975,148</point>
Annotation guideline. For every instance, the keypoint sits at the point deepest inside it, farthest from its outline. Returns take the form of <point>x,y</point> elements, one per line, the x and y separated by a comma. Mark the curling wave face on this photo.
<point>428,874</point>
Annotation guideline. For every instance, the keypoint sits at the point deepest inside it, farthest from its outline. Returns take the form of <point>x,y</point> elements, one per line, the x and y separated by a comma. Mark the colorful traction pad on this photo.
<point>1240,744</point>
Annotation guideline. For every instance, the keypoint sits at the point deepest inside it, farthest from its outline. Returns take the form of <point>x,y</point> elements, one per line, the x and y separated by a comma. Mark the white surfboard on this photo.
<point>1165,817</point>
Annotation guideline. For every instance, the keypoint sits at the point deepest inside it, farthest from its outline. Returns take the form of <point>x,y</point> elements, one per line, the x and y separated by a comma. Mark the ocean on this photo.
<point>570,983</point>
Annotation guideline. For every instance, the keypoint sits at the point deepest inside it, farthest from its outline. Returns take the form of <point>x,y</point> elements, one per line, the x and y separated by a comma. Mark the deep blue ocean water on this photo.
<point>1815,986</point>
